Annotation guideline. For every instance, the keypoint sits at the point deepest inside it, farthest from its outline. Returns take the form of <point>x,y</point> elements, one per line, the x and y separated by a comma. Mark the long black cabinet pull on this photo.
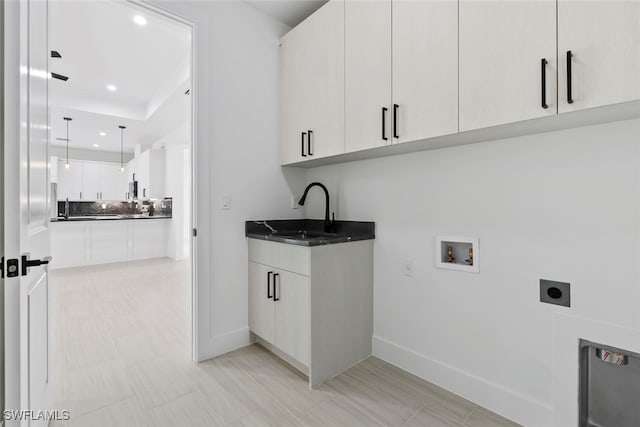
<point>269,296</point>
<point>275,298</point>
<point>569,97</point>
<point>302,144</point>
<point>309,134</point>
<point>384,127</point>
<point>543,70</point>
<point>395,120</point>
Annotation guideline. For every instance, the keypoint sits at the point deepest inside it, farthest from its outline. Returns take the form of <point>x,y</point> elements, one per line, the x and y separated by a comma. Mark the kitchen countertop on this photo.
<point>309,232</point>
<point>107,218</point>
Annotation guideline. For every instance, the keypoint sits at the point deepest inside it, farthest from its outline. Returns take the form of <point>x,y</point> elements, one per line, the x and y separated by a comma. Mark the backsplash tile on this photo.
<point>134,207</point>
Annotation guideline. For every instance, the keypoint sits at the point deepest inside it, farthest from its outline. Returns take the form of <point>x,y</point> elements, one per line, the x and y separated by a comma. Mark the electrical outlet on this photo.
<point>408,268</point>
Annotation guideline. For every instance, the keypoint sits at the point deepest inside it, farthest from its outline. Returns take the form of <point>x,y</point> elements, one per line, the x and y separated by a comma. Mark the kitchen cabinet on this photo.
<point>502,45</point>
<point>367,74</point>
<point>312,305</point>
<point>70,180</point>
<point>604,40</point>
<point>85,180</point>
<point>425,63</point>
<point>398,81</point>
<point>149,170</point>
<point>312,75</point>
<point>78,243</point>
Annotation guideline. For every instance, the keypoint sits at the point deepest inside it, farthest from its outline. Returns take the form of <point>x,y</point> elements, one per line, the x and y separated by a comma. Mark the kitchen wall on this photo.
<point>93,155</point>
<point>563,206</point>
<point>177,180</point>
<point>236,95</point>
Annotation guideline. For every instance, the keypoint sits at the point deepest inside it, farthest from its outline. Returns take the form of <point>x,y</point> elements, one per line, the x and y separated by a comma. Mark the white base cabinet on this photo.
<point>313,305</point>
<point>79,243</point>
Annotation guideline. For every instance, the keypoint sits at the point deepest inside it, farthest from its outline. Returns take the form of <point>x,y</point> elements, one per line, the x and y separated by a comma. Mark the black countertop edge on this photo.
<point>286,229</point>
<point>98,218</point>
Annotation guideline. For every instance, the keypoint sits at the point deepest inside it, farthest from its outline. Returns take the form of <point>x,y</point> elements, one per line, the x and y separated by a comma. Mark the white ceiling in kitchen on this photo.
<point>102,45</point>
<point>290,12</point>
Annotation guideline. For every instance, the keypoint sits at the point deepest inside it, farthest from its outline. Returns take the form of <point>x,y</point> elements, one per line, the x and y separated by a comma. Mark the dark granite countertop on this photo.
<point>309,232</point>
<point>107,218</point>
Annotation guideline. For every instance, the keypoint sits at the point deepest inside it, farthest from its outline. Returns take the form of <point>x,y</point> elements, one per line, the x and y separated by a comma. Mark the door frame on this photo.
<point>193,276</point>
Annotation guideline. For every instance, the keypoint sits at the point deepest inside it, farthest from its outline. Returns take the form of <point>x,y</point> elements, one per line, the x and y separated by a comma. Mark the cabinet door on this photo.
<point>313,86</point>
<point>367,74</point>
<point>502,44</point>
<point>91,181</point>
<point>604,40</point>
<point>425,69</point>
<point>261,308</point>
<point>110,179</point>
<point>70,180</point>
<point>293,316</point>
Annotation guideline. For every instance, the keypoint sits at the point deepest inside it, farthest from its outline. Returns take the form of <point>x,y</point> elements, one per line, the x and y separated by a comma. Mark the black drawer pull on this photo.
<point>269,296</point>
<point>309,134</point>
<point>543,70</point>
<point>384,120</point>
<point>302,144</point>
<point>569,96</point>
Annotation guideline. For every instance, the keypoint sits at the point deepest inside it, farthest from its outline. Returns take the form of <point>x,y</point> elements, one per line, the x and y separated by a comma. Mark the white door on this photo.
<point>425,65</point>
<point>70,180</point>
<point>502,45</point>
<point>91,181</point>
<point>604,40</point>
<point>26,221</point>
<point>367,74</point>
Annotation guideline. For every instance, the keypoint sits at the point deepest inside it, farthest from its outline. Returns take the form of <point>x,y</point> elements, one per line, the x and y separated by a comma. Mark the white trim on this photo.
<point>508,403</point>
<point>225,343</point>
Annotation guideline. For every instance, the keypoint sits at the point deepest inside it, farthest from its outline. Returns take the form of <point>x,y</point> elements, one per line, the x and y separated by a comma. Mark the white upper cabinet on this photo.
<point>313,86</point>
<point>604,40</point>
<point>502,45</point>
<point>70,180</point>
<point>425,65</point>
<point>367,74</point>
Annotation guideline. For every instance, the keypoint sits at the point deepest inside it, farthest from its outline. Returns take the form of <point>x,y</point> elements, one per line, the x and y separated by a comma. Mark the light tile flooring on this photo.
<point>121,358</point>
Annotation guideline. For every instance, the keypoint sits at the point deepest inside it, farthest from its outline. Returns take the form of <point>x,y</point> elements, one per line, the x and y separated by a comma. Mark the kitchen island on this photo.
<point>100,239</point>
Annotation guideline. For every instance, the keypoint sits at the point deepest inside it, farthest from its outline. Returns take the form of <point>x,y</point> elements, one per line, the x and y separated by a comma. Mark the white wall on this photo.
<point>237,114</point>
<point>562,206</point>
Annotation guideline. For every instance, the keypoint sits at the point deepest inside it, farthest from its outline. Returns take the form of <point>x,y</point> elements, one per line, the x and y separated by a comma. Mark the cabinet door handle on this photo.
<point>81,195</point>
<point>302,144</point>
<point>269,296</point>
<point>309,134</point>
<point>275,298</point>
<point>384,127</point>
<point>395,120</point>
<point>543,71</point>
<point>569,97</point>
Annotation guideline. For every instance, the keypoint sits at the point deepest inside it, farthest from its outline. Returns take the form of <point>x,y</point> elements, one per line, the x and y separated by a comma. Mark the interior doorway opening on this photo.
<point>121,202</point>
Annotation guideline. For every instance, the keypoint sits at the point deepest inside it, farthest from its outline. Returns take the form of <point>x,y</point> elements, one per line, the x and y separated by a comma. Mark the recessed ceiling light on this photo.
<point>103,134</point>
<point>112,88</point>
<point>95,145</point>
<point>140,20</point>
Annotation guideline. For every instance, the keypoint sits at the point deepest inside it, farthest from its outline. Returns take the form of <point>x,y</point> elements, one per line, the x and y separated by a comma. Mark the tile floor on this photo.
<point>121,358</point>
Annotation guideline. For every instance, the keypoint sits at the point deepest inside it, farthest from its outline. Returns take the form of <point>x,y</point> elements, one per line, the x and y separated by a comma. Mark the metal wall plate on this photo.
<point>558,293</point>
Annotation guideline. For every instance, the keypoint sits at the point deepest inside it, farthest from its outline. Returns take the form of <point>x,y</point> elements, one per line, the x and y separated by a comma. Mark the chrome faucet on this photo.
<point>273,230</point>
<point>328,223</point>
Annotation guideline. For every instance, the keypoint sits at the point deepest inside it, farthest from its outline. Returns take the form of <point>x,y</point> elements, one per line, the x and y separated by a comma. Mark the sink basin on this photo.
<point>309,232</point>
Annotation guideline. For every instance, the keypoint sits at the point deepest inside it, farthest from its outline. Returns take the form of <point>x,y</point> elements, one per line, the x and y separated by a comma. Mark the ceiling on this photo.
<point>101,45</point>
<point>290,12</point>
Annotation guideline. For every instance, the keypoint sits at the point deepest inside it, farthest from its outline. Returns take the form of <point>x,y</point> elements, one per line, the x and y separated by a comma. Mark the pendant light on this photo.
<point>122,128</point>
<point>67,165</point>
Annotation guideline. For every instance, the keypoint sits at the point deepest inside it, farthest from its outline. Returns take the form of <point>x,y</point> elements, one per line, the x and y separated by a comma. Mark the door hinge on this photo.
<point>11,268</point>
<point>195,232</point>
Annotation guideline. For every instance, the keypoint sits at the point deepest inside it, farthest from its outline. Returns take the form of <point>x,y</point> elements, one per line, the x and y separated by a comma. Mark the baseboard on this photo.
<point>508,403</point>
<point>224,343</point>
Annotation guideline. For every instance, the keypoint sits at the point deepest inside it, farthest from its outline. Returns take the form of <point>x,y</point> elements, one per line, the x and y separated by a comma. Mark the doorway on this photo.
<point>121,206</point>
